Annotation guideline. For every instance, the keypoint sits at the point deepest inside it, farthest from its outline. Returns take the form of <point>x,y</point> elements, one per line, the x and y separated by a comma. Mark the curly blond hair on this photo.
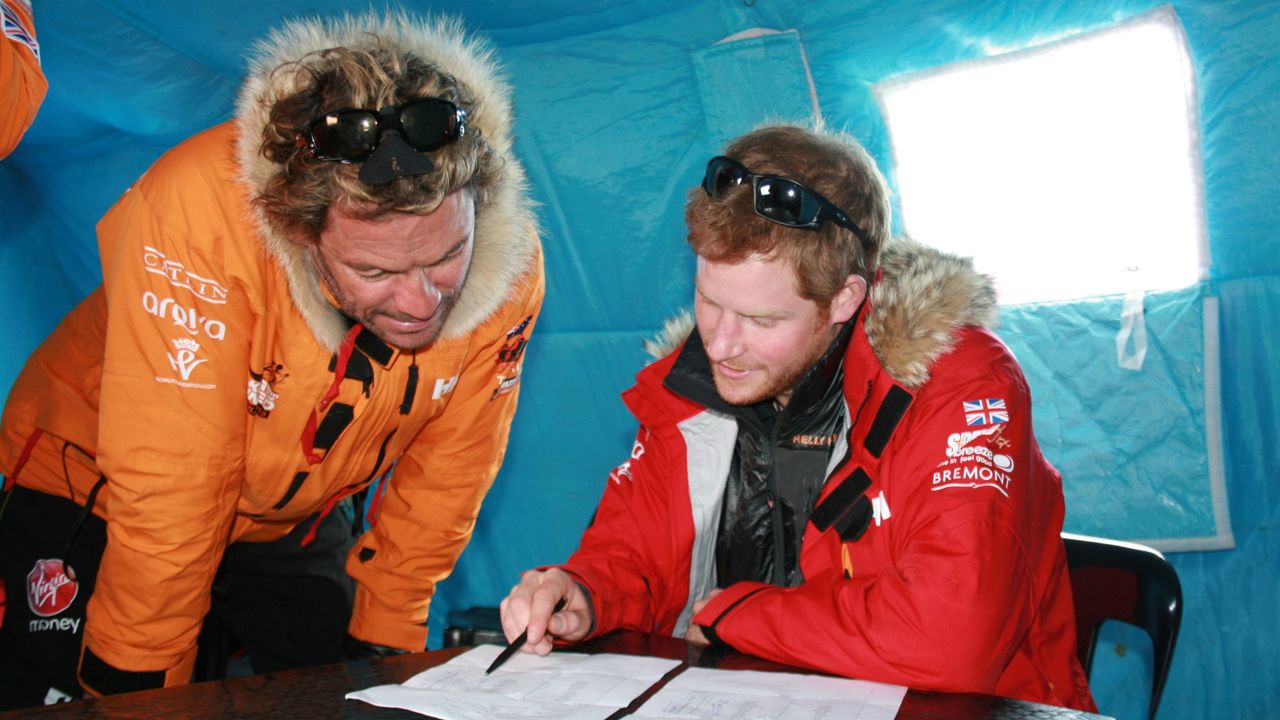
<point>297,198</point>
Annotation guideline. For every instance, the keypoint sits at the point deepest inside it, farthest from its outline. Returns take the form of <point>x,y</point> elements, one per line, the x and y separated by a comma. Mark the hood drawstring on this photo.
<point>410,386</point>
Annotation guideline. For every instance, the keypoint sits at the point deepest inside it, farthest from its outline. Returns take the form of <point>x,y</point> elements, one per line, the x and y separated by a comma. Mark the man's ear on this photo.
<point>848,298</point>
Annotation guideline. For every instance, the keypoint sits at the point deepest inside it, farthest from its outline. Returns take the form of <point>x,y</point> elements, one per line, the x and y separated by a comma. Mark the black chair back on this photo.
<point>1129,582</point>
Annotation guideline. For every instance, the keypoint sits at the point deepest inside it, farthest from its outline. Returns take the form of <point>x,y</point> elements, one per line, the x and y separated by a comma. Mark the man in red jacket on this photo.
<point>835,466</point>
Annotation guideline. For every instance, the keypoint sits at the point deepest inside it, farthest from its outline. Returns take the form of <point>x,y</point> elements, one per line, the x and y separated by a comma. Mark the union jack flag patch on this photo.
<point>989,411</point>
<point>14,28</point>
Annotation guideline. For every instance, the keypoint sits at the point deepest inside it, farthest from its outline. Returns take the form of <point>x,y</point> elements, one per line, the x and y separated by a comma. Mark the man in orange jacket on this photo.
<point>340,280</point>
<point>22,82</point>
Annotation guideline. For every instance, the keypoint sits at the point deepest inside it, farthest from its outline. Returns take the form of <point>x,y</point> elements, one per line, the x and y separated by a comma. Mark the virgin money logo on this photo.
<point>49,590</point>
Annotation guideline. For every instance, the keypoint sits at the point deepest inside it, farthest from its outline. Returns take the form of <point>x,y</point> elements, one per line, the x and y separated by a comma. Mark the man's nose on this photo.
<point>417,296</point>
<point>723,341</point>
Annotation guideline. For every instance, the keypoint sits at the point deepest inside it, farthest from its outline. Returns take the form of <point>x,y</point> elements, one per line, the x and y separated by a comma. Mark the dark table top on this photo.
<point>318,693</point>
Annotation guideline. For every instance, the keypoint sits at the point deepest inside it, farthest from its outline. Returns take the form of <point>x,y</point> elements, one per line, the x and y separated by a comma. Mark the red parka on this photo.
<point>959,582</point>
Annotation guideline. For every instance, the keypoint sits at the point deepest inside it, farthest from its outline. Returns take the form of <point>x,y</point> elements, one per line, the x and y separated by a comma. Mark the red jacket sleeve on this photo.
<point>632,559</point>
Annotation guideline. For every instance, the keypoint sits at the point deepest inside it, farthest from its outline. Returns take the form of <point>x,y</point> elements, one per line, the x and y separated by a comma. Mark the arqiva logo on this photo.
<point>49,590</point>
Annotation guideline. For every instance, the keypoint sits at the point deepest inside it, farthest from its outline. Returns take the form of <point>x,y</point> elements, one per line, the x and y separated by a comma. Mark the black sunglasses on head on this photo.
<point>778,199</point>
<point>351,135</point>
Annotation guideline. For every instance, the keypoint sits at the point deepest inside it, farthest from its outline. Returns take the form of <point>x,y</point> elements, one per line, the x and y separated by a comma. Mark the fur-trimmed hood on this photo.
<point>923,297</point>
<point>505,237</point>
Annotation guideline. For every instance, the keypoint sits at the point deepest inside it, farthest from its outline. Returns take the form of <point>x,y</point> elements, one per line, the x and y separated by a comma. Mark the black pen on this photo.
<point>518,643</point>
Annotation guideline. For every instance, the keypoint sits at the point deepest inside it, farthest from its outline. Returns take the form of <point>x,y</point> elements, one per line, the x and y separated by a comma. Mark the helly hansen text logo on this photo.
<point>184,317</point>
<point>880,508</point>
<point>624,470</point>
<point>443,387</point>
<point>154,261</point>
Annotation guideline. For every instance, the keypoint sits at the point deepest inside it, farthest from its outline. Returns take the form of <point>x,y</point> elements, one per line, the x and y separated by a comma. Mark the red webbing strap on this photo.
<point>339,372</point>
<point>324,513</point>
<point>23,457</point>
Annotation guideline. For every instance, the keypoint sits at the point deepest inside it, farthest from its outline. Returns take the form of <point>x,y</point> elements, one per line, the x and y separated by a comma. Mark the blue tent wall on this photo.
<point>614,127</point>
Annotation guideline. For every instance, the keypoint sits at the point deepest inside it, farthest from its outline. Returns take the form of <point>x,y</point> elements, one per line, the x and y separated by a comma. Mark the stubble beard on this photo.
<point>367,318</point>
<point>777,381</point>
<point>418,341</point>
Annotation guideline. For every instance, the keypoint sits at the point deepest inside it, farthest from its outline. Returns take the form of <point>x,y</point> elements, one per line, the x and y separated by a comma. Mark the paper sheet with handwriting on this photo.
<point>707,694</point>
<point>564,686</point>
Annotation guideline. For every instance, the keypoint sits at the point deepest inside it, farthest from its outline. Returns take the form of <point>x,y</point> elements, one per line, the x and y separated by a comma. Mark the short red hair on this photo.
<point>727,229</point>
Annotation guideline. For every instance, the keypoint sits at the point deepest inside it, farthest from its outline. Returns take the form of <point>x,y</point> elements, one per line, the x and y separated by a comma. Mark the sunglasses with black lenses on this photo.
<point>778,199</point>
<point>351,135</point>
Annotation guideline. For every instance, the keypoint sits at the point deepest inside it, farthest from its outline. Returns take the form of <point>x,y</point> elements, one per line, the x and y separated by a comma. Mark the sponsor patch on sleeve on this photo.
<point>186,316</point>
<point>508,363</point>
<point>976,459</point>
<point>986,411</point>
<point>184,360</point>
<point>188,301</point>
<point>179,275</point>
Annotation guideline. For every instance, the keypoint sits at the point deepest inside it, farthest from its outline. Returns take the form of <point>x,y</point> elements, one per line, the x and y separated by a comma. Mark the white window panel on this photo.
<point>1067,170</point>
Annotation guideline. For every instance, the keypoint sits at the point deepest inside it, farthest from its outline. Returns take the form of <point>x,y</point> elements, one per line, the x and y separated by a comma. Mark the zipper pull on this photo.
<point>410,388</point>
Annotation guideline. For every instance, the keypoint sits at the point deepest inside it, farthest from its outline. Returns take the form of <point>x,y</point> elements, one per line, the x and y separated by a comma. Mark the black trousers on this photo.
<point>286,605</point>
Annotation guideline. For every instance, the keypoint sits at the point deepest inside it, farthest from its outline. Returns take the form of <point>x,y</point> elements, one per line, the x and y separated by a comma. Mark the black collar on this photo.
<point>690,378</point>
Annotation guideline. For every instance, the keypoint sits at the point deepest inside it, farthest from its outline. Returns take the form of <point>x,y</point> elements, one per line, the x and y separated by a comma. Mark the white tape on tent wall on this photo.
<point>1133,332</point>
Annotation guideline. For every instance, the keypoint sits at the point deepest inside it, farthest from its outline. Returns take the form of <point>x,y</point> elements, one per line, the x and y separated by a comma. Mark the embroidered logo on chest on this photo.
<point>262,393</point>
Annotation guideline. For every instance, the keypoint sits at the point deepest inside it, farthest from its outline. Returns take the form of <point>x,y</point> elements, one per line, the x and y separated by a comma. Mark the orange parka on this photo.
<point>223,398</point>
<point>22,82</point>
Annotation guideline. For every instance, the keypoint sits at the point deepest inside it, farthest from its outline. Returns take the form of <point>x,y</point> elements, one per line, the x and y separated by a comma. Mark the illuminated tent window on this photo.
<point>1067,170</point>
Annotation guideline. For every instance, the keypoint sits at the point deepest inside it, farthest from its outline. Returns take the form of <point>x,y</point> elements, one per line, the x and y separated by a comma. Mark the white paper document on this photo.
<point>706,694</point>
<point>564,686</point>
<point>574,686</point>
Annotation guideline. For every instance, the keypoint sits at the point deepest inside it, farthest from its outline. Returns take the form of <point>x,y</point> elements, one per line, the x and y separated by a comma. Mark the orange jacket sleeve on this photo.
<point>171,430</point>
<point>22,82</point>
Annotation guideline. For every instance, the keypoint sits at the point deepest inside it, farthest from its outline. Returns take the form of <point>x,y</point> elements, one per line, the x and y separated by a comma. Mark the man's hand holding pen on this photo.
<point>530,608</point>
